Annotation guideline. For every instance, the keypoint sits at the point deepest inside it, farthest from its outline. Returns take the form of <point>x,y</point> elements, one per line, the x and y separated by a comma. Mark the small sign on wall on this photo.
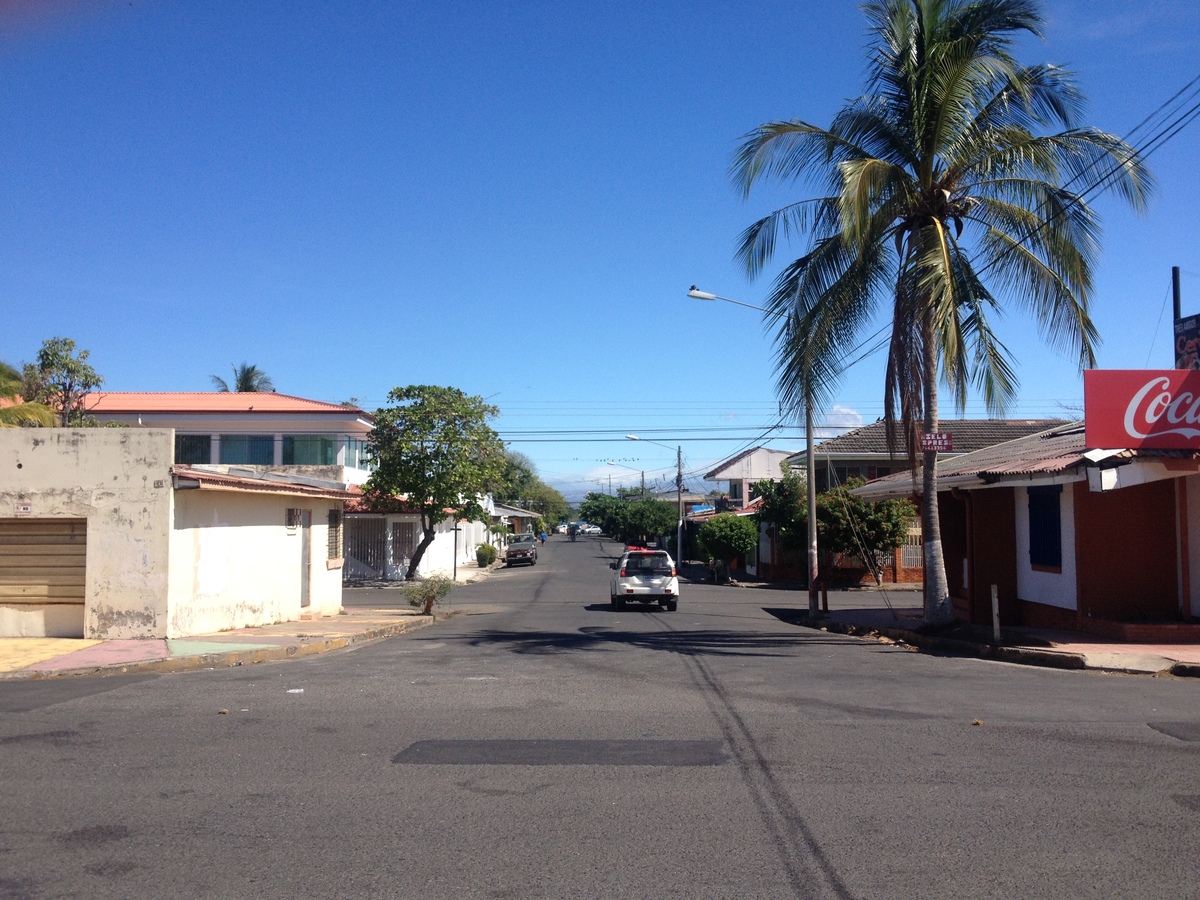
<point>937,443</point>
<point>23,509</point>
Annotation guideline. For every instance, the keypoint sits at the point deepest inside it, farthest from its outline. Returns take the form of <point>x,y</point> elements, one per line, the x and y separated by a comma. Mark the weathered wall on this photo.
<point>234,564</point>
<point>1126,545</point>
<point>118,480</point>
<point>993,514</point>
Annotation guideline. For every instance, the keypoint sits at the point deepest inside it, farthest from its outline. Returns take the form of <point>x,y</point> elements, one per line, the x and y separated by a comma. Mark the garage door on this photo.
<point>42,569</point>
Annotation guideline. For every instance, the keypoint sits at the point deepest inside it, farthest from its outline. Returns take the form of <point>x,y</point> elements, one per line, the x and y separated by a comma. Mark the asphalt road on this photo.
<point>540,745</point>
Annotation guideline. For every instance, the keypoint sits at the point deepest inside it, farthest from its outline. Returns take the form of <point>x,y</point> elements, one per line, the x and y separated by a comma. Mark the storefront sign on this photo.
<point>1130,408</point>
<point>937,443</point>
<point>1187,343</point>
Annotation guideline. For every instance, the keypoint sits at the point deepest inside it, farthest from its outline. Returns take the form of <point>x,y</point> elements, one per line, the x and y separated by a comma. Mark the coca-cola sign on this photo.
<point>1155,409</point>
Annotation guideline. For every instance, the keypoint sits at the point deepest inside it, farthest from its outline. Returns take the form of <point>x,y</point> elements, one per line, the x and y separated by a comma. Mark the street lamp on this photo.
<point>809,462</point>
<point>632,469</point>
<point>678,490</point>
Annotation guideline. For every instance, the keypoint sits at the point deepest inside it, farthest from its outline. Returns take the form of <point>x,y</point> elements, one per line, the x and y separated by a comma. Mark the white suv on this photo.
<point>647,576</point>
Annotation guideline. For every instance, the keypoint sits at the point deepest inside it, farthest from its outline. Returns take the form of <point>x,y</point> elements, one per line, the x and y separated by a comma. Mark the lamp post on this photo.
<point>678,491</point>
<point>631,469</point>
<point>810,469</point>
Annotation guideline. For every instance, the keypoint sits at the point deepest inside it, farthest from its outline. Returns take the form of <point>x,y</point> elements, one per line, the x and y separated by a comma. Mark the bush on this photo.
<point>728,536</point>
<point>424,593</point>
<point>485,555</point>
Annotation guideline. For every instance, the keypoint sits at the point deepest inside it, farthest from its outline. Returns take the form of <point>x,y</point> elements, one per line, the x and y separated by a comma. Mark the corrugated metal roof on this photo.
<point>201,478</point>
<point>1059,451</point>
<point>969,435</point>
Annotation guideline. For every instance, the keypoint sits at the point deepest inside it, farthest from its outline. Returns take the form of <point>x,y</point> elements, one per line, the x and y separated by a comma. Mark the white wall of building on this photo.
<point>1051,588</point>
<point>235,563</point>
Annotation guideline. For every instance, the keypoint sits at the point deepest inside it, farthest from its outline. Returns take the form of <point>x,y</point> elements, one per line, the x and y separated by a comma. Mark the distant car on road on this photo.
<point>647,576</point>
<point>522,548</point>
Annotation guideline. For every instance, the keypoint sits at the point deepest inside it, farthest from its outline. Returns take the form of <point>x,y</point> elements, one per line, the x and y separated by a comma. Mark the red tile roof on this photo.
<point>130,402</point>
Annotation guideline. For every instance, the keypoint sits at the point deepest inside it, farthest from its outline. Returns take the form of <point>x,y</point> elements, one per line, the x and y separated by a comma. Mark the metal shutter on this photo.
<point>42,561</point>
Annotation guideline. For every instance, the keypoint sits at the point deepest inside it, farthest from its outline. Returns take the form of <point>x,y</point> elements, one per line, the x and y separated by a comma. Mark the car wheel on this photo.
<point>618,603</point>
<point>672,605</point>
<point>533,562</point>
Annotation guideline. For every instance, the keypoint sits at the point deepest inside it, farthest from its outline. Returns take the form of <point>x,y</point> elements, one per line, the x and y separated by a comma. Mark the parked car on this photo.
<point>522,548</point>
<point>647,576</point>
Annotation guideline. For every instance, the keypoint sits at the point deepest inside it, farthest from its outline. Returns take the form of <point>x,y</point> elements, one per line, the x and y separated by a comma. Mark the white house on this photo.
<point>266,433</point>
<point>743,470</point>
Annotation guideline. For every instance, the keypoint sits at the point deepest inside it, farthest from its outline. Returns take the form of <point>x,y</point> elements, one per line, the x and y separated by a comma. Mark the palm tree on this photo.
<point>945,200</point>
<point>247,379</point>
<point>13,411</point>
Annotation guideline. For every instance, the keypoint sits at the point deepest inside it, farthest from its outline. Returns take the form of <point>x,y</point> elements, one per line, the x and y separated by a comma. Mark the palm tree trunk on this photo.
<point>938,609</point>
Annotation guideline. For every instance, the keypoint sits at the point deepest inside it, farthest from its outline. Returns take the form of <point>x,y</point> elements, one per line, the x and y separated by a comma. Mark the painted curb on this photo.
<point>232,658</point>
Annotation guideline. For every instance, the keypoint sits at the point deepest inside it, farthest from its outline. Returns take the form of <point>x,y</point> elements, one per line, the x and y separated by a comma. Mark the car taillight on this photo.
<point>622,573</point>
<point>672,571</point>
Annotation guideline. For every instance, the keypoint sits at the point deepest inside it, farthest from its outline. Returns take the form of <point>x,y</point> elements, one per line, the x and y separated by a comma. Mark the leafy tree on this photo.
<point>247,379</point>
<point>625,519</point>
<point>433,446</point>
<point>18,411</point>
<point>61,380</point>
<point>727,536</point>
<point>785,508</point>
<point>871,531</point>
<point>520,486</point>
<point>940,180</point>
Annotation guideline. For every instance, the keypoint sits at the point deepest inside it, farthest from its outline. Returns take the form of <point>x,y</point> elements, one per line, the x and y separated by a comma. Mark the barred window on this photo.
<point>335,534</point>
<point>404,542</point>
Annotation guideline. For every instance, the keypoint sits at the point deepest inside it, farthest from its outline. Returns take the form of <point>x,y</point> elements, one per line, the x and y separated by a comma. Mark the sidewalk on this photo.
<point>370,611</point>
<point>893,614</point>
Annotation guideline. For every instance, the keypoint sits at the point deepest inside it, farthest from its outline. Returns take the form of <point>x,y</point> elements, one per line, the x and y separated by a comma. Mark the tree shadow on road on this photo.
<point>687,643</point>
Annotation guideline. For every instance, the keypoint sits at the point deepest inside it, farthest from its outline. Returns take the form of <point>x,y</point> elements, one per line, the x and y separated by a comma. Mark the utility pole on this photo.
<point>679,493</point>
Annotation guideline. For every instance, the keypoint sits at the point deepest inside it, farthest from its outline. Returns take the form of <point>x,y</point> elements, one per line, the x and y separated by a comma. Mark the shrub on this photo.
<point>485,555</point>
<point>728,536</point>
<point>422,594</point>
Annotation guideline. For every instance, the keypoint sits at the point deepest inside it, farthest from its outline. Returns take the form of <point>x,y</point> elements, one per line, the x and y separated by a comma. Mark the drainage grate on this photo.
<point>563,753</point>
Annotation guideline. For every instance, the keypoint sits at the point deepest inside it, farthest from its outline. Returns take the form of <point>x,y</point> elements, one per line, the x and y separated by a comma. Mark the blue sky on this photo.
<point>508,198</point>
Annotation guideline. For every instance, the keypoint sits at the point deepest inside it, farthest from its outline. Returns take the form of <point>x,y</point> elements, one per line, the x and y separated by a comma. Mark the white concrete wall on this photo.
<point>235,564</point>
<point>1051,588</point>
<point>118,480</point>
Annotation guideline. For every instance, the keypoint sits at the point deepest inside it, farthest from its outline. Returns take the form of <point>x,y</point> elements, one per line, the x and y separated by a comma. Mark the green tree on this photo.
<point>247,379</point>
<point>61,380</point>
<point>727,536</point>
<point>15,409</point>
<point>946,199</point>
<point>627,518</point>
<point>521,486</point>
<point>433,446</point>
<point>785,509</point>
<point>870,531</point>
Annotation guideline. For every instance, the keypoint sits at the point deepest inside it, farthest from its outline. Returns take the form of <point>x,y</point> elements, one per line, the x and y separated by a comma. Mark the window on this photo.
<point>1045,527</point>
<point>403,542</point>
<point>309,450</point>
<point>193,449</point>
<point>735,490</point>
<point>248,449</point>
<point>335,534</point>
<point>356,455</point>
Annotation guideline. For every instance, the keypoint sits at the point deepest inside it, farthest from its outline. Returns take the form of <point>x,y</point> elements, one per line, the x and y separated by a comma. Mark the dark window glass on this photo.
<point>1045,526</point>
<point>193,449</point>
<point>309,450</point>
<point>248,449</point>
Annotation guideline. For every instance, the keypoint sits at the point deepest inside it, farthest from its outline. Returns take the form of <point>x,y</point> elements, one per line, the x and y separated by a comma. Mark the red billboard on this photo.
<point>1151,408</point>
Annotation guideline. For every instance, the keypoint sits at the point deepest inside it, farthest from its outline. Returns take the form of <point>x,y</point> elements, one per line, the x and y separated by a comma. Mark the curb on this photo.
<point>1027,656</point>
<point>232,658</point>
